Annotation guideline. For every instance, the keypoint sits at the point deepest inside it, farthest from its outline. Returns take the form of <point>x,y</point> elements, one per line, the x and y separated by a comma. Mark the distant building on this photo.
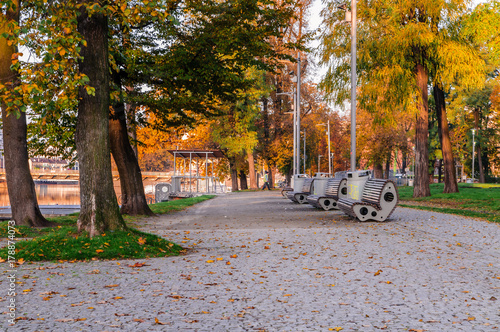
<point>51,164</point>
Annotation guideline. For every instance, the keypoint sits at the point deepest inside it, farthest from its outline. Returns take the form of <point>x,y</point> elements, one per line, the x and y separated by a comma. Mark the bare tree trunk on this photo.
<point>450,178</point>
<point>378,170</point>
<point>251,171</point>
<point>20,185</point>
<point>421,185</point>
<point>132,124</point>
<point>99,209</point>
<point>234,173</point>
<point>404,160</point>
<point>133,196</point>
<point>243,180</point>
<point>482,178</point>
<point>387,165</point>
<point>440,169</point>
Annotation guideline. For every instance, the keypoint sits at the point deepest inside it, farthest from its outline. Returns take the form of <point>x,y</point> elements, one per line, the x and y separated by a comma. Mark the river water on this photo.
<point>65,193</point>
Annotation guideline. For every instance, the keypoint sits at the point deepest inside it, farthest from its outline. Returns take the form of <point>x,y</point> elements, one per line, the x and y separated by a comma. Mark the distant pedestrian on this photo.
<point>266,181</point>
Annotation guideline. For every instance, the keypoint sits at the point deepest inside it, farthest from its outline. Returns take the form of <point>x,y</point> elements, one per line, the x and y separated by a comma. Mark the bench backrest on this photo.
<point>373,189</point>
<point>334,186</point>
<point>307,186</point>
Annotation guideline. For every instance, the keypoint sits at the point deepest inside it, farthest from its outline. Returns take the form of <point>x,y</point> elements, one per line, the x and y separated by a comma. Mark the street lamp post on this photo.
<point>351,16</point>
<point>319,162</point>
<point>292,94</point>
<point>297,110</point>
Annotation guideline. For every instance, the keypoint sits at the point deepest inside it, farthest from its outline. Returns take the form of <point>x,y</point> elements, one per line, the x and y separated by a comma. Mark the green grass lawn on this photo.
<point>474,200</point>
<point>63,242</point>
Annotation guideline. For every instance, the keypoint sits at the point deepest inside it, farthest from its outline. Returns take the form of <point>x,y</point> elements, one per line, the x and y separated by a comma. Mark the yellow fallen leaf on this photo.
<point>141,241</point>
<point>99,251</point>
<point>210,261</point>
<point>219,258</point>
<point>20,261</point>
<point>159,323</point>
<point>471,318</point>
<point>337,328</point>
<point>234,256</point>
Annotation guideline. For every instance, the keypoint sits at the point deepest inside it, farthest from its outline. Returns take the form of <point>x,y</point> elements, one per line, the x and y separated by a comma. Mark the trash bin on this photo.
<point>162,192</point>
<point>298,182</point>
<point>319,186</point>
<point>355,183</point>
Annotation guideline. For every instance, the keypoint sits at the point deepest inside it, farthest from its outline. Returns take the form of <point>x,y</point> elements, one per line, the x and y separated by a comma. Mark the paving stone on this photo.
<point>298,269</point>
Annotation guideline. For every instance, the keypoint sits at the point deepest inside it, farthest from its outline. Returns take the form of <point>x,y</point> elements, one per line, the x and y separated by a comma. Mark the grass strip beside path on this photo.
<point>474,200</point>
<point>63,242</point>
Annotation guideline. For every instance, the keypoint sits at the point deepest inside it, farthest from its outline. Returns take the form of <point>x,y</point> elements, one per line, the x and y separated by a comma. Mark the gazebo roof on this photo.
<point>197,153</point>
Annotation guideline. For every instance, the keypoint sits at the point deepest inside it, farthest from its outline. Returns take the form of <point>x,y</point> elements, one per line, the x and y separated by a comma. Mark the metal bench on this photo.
<point>285,190</point>
<point>378,201</point>
<point>301,196</point>
<point>297,182</point>
<point>335,189</point>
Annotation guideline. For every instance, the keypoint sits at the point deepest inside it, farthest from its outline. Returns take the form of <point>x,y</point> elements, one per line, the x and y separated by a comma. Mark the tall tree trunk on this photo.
<point>478,148</point>
<point>482,178</point>
<point>20,185</point>
<point>404,156</point>
<point>133,196</point>
<point>99,209</point>
<point>388,165</point>
<point>450,177</point>
<point>378,170</point>
<point>421,185</point>
<point>289,178</point>
<point>234,173</point>
<point>251,171</point>
<point>132,124</point>
<point>440,169</point>
<point>243,180</point>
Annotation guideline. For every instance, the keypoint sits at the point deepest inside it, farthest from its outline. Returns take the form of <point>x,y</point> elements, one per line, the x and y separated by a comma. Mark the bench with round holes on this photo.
<point>335,189</point>
<point>301,196</point>
<point>378,201</point>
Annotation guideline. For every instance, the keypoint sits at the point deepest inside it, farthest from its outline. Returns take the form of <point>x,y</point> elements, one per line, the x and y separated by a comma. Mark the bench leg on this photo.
<point>301,198</point>
<point>367,212</point>
<point>328,203</point>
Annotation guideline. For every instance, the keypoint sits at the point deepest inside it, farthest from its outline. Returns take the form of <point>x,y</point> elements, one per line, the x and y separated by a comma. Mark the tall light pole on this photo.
<point>319,162</point>
<point>473,151</point>
<point>292,94</point>
<point>351,17</point>
<point>353,85</point>
<point>297,110</point>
